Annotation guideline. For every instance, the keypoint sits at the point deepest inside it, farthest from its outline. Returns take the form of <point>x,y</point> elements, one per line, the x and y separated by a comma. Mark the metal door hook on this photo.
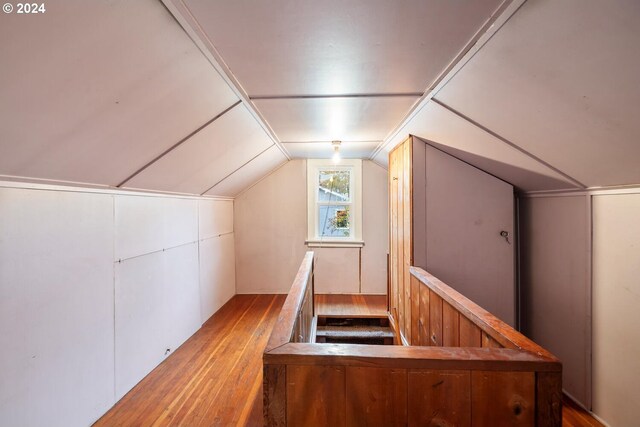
<point>505,234</point>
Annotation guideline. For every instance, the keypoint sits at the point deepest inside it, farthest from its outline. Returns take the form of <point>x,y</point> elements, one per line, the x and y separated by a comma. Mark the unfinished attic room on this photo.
<point>334,213</point>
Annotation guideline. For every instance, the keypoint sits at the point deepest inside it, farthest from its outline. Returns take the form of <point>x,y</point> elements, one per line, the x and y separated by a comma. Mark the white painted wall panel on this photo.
<point>217,274</point>
<point>157,308</point>
<point>147,224</point>
<point>250,173</point>
<point>337,270</point>
<point>375,227</point>
<point>215,217</point>
<point>182,294</point>
<point>616,297</point>
<point>270,246</point>
<point>129,88</point>
<point>56,307</point>
<point>208,156</point>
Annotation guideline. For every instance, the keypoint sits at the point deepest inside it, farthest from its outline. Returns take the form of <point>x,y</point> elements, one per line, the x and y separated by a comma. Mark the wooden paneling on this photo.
<point>503,398</point>
<point>200,385</point>
<point>393,235</point>
<point>401,236</point>
<point>450,326</point>
<point>504,334</point>
<point>407,243</point>
<point>435,319</point>
<point>439,398</point>
<point>425,322</point>
<point>489,342</point>
<point>316,396</point>
<point>548,399</point>
<point>376,397</point>
<point>275,395</point>
<point>419,203</point>
<point>284,329</point>
<point>415,311</point>
<point>470,334</point>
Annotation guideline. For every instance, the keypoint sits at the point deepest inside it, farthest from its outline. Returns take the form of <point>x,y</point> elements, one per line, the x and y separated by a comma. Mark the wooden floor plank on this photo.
<point>575,416</point>
<point>215,378</point>
<point>356,305</point>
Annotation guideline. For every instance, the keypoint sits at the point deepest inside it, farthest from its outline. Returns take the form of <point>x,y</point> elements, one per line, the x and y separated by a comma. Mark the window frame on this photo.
<point>314,167</point>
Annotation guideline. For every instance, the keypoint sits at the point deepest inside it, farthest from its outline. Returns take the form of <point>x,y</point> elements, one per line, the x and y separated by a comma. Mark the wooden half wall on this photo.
<point>498,378</point>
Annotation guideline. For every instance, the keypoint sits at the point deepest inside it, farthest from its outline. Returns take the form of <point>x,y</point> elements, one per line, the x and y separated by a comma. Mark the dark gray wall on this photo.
<point>555,284</point>
<point>466,209</point>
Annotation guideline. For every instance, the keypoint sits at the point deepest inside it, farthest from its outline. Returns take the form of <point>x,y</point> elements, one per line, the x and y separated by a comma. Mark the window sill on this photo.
<point>334,243</point>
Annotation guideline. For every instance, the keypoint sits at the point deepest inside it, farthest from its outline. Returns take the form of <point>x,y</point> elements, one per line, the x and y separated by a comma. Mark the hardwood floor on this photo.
<point>215,378</point>
<point>574,416</point>
<point>362,305</point>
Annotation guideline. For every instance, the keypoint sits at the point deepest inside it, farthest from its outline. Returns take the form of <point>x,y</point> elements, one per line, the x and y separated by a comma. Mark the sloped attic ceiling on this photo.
<point>117,94</point>
<point>551,100</point>
<point>542,94</point>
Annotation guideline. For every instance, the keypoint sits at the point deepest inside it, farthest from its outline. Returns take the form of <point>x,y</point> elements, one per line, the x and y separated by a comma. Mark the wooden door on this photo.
<point>466,212</point>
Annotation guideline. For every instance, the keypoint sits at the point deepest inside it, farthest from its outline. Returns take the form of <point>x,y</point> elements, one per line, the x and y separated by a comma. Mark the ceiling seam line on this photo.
<point>509,143</point>
<point>344,95</point>
<point>450,72</point>
<point>209,51</point>
<point>176,145</point>
<point>330,141</point>
<point>237,169</point>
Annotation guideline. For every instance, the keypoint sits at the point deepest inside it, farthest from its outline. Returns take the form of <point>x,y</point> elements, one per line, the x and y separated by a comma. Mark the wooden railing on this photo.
<point>499,377</point>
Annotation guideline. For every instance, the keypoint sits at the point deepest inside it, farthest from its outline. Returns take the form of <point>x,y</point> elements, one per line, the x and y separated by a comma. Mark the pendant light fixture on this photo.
<point>336,151</point>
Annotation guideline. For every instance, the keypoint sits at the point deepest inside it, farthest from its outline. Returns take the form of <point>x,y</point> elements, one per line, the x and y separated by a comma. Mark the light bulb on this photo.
<point>336,156</point>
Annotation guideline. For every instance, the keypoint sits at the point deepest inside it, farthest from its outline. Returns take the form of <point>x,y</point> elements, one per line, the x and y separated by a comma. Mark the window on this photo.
<point>334,203</point>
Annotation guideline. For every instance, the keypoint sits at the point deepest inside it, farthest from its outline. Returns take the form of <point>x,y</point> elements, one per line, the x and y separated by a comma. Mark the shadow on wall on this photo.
<point>518,177</point>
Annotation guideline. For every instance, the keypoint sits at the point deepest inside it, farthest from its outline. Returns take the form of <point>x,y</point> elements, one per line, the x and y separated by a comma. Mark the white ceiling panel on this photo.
<point>337,46</point>
<point>473,145</point>
<point>328,119</point>
<point>324,150</point>
<point>382,158</point>
<point>92,91</point>
<point>250,173</point>
<point>208,156</point>
<point>560,80</point>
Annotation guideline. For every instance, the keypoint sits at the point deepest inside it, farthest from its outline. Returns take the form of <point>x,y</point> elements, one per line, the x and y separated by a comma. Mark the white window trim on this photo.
<point>313,168</point>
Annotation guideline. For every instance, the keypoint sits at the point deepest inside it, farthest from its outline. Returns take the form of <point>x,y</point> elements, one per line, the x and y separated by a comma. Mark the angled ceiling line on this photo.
<point>198,35</point>
<point>177,144</point>
<point>495,22</point>
<point>330,141</point>
<point>508,142</point>
<point>344,95</point>
<point>237,169</point>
